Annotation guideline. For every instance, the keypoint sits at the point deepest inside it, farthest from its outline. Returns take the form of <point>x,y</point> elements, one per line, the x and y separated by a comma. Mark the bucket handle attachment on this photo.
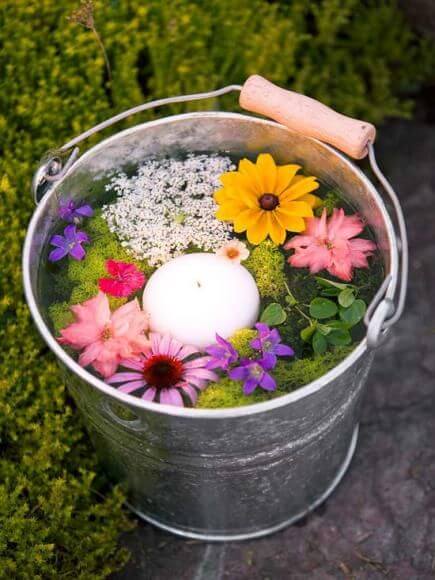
<point>303,115</point>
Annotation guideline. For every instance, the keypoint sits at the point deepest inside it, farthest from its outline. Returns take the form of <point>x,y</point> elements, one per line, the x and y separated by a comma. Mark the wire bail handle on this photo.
<point>303,115</point>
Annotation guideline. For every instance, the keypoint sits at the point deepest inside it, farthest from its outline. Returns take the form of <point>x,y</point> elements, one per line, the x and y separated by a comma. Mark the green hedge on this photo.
<point>57,518</point>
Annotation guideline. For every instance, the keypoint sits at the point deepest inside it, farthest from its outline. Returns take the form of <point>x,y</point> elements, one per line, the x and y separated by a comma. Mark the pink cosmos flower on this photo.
<point>166,371</point>
<point>330,244</point>
<point>104,337</point>
<point>126,279</point>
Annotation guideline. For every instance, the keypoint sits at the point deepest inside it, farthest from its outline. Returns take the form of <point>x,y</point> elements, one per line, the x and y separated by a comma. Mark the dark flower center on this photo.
<point>269,201</point>
<point>162,371</point>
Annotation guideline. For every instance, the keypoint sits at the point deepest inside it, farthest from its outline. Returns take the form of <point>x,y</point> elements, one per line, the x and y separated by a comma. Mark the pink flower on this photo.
<point>104,337</point>
<point>167,371</point>
<point>126,279</point>
<point>331,245</point>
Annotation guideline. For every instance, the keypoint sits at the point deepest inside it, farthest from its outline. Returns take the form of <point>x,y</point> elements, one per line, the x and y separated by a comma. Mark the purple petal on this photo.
<point>123,377</point>
<point>77,252</point>
<point>191,392</point>
<point>200,374</point>
<point>149,394</point>
<point>85,211</point>
<point>82,237</point>
<point>171,397</point>
<point>256,343</point>
<point>268,361</point>
<point>132,364</point>
<point>284,350</point>
<point>215,351</point>
<point>57,254</point>
<point>186,351</point>
<point>238,373</point>
<point>70,233</point>
<point>200,362</point>
<point>267,382</point>
<point>262,328</point>
<point>249,386</point>
<point>58,241</point>
<point>133,386</point>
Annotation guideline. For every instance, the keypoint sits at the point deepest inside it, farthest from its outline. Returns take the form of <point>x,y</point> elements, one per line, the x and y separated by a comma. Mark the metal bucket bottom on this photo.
<point>194,535</point>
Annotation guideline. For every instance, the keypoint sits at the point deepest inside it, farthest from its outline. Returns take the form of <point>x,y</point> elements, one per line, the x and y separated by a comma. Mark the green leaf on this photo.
<point>274,314</point>
<point>320,343</point>
<point>323,308</point>
<point>290,299</point>
<point>346,297</point>
<point>330,291</point>
<point>307,333</point>
<point>325,283</point>
<point>337,324</point>
<point>339,337</point>
<point>354,313</point>
<point>324,329</point>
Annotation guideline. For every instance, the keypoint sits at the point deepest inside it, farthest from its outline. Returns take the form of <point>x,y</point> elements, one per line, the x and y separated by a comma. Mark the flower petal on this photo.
<point>285,175</point>
<point>171,397</point>
<point>267,170</point>
<point>258,232</point>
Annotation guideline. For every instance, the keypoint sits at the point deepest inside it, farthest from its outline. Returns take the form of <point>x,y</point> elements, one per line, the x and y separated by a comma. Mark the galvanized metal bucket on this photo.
<point>235,473</point>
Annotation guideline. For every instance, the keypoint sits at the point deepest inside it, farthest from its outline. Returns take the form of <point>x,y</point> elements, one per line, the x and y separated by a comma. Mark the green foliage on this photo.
<point>227,393</point>
<point>241,339</point>
<point>273,315</point>
<point>266,263</point>
<point>329,201</point>
<point>60,315</point>
<point>56,518</point>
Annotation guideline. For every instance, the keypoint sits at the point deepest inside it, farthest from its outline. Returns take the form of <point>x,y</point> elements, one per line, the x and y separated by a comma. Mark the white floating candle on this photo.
<point>195,296</point>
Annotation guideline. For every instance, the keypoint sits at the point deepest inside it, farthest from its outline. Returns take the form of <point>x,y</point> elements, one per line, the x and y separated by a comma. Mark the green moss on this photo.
<point>266,263</point>
<point>60,315</point>
<point>289,376</point>
<point>331,200</point>
<point>241,339</point>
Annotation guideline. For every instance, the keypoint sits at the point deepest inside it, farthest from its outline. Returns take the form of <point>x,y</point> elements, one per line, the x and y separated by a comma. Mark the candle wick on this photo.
<point>198,283</point>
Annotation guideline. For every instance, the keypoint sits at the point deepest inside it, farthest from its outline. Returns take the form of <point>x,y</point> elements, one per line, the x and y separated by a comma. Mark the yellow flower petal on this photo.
<point>303,186</point>
<point>246,219</point>
<point>285,177</point>
<point>267,170</point>
<point>229,210</point>
<point>312,200</point>
<point>290,222</point>
<point>276,230</point>
<point>297,208</point>
<point>258,232</point>
<point>249,170</point>
<point>222,195</point>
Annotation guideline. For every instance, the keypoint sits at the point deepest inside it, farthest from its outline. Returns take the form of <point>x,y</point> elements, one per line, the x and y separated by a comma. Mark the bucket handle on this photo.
<point>301,114</point>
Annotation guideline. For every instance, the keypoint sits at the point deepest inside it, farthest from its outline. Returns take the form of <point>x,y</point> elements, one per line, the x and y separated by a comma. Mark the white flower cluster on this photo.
<point>168,207</point>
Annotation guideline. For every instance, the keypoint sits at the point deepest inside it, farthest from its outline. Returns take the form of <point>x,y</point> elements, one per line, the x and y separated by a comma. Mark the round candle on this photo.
<point>195,296</point>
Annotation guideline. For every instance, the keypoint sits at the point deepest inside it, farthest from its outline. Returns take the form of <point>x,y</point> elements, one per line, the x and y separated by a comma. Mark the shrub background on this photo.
<point>58,517</point>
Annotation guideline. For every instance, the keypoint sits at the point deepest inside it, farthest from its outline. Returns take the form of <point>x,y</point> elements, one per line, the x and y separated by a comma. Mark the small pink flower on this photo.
<point>106,337</point>
<point>126,279</point>
<point>166,372</point>
<point>235,251</point>
<point>331,245</point>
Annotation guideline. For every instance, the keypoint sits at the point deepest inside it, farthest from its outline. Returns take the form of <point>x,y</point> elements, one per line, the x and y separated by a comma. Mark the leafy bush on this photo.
<point>56,518</point>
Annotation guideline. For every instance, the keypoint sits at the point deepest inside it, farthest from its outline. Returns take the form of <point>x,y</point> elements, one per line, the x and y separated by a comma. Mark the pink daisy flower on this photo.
<point>330,244</point>
<point>126,279</point>
<point>166,371</point>
<point>104,337</point>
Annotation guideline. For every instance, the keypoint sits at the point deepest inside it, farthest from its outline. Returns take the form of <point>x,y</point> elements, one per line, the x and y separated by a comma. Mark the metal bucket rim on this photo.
<point>192,412</point>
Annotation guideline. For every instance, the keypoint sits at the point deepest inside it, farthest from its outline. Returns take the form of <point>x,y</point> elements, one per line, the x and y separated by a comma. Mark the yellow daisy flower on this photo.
<point>265,199</point>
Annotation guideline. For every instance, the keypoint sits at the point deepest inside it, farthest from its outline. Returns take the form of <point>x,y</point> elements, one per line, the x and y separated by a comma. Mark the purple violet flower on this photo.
<point>269,342</point>
<point>254,374</point>
<point>68,244</point>
<point>222,354</point>
<point>70,212</point>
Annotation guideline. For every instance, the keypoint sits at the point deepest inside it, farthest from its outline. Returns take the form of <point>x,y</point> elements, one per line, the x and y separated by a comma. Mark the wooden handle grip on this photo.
<point>307,116</point>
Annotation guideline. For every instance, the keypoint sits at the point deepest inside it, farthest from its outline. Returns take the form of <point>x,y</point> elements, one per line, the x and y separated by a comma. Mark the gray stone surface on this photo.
<point>380,522</point>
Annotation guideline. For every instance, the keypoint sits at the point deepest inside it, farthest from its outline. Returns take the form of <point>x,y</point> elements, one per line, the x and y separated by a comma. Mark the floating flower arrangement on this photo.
<point>208,283</point>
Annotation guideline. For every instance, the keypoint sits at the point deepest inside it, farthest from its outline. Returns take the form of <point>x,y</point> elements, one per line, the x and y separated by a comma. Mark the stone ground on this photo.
<point>380,522</point>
